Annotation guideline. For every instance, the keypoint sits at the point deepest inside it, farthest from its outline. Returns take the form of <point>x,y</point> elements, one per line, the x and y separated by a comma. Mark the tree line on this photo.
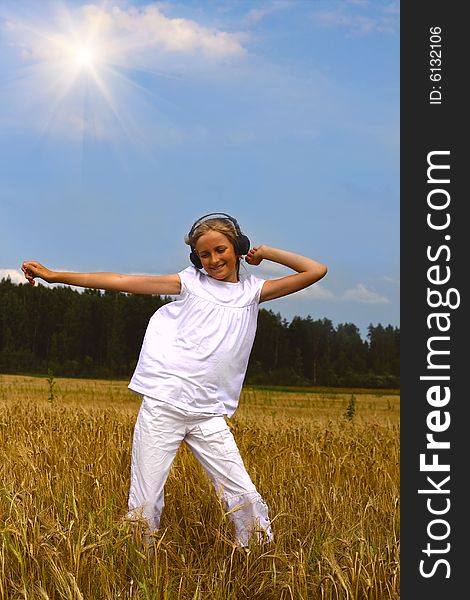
<point>99,334</point>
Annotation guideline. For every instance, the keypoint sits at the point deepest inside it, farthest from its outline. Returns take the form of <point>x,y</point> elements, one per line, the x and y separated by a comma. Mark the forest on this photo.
<point>96,334</point>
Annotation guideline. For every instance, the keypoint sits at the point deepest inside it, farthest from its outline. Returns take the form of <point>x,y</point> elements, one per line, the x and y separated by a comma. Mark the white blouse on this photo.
<point>196,349</point>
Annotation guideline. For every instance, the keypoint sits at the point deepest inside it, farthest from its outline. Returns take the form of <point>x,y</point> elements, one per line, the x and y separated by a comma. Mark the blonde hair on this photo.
<point>223,226</point>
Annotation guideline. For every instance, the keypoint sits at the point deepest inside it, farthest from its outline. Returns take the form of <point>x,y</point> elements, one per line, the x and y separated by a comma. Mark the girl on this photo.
<point>193,362</point>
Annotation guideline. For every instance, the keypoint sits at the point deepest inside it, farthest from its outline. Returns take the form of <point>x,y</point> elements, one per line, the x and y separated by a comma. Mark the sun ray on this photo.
<point>138,87</point>
<point>110,101</point>
<point>80,56</point>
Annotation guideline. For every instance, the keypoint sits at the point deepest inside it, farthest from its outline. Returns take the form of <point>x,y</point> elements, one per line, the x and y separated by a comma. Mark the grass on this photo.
<point>321,389</point>
<point>331,483</point>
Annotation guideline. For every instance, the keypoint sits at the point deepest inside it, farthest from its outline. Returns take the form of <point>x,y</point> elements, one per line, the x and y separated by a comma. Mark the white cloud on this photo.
<point>364,296</point>
<point>15,275</point>
<point>169,34</point>
<point>255,15</point>
<point>348,16</point>
<point>131,37</point>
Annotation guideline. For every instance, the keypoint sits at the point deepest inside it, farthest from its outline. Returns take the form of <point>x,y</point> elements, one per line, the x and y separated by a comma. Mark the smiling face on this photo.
<point>217,256</point>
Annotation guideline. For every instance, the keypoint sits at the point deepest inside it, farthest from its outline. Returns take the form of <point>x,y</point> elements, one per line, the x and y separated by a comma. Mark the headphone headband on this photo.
<point>223,215</point>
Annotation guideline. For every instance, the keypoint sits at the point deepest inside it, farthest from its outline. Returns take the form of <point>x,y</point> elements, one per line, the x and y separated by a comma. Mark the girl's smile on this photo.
<point>217,256</point>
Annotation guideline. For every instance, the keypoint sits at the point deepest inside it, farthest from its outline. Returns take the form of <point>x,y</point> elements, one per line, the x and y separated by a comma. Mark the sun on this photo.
<point>81,55</point>
<point>77,72</point>
<point>84,56</point>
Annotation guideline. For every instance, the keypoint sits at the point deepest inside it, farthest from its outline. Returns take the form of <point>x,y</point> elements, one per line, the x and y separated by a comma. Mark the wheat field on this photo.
<point>326,462</point>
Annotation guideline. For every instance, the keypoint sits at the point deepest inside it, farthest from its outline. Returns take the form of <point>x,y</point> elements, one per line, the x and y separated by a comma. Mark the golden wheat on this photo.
<point>331,483</point>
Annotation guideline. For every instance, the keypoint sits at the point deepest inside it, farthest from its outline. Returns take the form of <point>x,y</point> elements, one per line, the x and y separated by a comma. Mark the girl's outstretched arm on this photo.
<point>308,271</point>
<point>136,284</point>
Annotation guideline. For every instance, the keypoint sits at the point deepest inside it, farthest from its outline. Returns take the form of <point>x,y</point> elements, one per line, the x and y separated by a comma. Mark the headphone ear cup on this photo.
<point>243,244</point>
<point>194,258</point>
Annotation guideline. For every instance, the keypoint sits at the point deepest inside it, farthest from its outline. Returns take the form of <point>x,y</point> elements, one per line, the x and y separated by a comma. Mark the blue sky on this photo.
<point>123,122</point>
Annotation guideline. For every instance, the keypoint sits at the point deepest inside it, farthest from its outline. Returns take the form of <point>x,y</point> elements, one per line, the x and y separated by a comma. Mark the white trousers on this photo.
<point>159,431</point>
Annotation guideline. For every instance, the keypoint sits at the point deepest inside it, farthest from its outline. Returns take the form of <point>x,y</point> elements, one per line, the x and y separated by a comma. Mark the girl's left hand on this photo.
<point>255,255</point>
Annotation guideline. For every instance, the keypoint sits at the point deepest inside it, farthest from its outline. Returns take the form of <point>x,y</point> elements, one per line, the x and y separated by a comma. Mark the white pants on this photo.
<point>159,430</point>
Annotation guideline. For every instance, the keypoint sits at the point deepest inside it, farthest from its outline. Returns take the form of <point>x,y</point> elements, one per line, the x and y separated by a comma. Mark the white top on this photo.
<point>196,349</point>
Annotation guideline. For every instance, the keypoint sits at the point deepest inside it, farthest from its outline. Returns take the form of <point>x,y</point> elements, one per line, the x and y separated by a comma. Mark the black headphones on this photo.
<point>242,243</point>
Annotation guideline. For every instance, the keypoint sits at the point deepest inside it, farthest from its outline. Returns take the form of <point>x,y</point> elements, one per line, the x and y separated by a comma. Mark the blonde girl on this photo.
<point>193,362</point>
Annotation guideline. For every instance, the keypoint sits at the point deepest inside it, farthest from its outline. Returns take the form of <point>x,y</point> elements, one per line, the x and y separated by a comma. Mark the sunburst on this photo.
<point>85,56</point>
<point>75,75</point>
<point>97,69</point>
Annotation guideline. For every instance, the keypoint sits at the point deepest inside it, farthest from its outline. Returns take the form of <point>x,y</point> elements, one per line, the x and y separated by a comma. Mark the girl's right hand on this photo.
<point>32,269</point>
<point>255,255</point>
